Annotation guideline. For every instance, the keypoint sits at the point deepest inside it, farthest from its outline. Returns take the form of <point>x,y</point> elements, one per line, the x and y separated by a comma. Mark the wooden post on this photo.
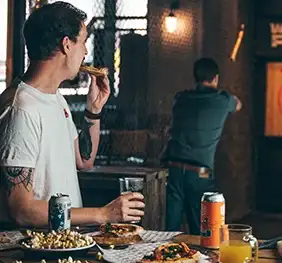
<point>15,41</point>
<point>10,43</point>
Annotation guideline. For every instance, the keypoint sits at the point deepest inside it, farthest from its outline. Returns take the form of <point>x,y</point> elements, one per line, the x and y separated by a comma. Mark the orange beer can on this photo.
<point>212,219</point>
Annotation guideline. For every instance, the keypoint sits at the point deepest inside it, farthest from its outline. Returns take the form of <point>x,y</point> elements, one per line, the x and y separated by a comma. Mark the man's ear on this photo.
<point>66,45</point>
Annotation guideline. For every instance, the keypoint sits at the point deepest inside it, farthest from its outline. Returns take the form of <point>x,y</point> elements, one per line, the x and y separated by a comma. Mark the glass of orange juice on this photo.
<point>237,244</point>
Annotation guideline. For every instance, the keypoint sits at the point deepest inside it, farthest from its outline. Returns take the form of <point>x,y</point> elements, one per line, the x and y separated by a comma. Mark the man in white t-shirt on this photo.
<point>40,150</point>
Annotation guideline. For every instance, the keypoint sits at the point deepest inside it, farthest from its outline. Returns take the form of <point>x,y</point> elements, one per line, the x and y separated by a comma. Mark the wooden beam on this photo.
<point>19,45</point>
<point>15,41</point>
<point>10,43</point>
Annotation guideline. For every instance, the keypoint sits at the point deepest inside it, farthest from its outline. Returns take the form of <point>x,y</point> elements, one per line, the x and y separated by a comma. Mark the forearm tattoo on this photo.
<point>10,177</point>
<point>84,138</point>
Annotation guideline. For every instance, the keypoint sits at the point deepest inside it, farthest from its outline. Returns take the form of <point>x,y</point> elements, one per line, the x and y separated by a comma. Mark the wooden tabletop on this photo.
<point>265,255</point>
<point>269,256</point>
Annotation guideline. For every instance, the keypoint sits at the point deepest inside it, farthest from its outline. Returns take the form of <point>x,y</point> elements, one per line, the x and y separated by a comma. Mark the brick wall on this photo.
<point>171,58</point>
<point>171,55</point>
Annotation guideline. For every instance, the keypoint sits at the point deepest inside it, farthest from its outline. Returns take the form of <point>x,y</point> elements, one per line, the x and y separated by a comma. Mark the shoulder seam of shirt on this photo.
<point>16,93</point>
<point>23,110</point>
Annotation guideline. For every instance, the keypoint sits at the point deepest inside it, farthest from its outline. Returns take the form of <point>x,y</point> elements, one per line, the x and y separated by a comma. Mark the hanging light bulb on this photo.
<point>37,4</point>
<point>171,22</point>
<point>171,19</point>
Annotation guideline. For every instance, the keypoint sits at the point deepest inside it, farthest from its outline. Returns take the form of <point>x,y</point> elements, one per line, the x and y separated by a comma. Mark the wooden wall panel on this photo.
<point>234,157</point>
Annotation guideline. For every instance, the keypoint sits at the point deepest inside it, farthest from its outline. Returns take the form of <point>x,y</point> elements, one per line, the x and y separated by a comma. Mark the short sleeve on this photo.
<point>73,130</point>
<point>231,101</point>
<point>19,139</point>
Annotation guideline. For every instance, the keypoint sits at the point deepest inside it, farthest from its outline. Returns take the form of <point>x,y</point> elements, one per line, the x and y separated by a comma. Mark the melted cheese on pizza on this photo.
<point>171,252</point>
<point>98,72</point>
<point>118,229</point>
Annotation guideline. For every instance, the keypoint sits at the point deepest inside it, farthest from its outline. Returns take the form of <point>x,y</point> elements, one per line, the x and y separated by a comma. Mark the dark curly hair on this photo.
<point>46,27</point>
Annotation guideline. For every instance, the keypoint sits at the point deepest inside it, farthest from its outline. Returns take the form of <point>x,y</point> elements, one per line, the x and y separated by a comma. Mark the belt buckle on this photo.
<point>183,168</point>
<point>204,173</point>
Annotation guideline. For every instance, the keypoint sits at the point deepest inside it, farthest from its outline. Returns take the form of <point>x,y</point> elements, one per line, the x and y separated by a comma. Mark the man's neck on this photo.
<point>45,76</point>
<point>208,84</point>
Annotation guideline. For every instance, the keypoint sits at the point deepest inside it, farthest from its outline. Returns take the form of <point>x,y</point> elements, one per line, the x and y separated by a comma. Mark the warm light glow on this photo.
<point>171,23</point>
<point>37,4</point>
<point>238,43</point>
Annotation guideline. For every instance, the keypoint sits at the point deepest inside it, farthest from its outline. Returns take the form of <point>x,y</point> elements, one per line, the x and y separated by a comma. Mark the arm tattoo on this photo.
<point>13,176</point>
<point>84,138</point>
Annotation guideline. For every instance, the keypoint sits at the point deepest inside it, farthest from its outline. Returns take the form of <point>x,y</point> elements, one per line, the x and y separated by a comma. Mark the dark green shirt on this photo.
<point>198,119</point>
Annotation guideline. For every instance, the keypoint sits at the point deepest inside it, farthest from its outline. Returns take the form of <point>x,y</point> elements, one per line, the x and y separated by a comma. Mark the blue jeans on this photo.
<point>183,194</point>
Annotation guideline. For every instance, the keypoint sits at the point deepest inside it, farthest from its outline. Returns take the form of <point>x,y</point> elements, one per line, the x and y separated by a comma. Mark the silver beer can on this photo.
<point>59,212</point>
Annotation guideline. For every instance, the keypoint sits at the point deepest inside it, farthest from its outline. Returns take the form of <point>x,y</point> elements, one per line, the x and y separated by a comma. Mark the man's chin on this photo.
<point>74,76</point>
<point>72,80</point>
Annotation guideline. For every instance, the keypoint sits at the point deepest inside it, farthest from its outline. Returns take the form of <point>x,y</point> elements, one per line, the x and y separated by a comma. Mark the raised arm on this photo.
<point>86,145</point>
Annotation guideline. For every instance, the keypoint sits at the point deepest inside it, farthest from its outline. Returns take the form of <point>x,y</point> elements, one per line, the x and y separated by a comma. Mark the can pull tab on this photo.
<point>60,195</point>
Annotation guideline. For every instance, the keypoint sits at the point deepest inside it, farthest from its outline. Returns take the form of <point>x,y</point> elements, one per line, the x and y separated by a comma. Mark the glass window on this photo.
<point>3,41</point>
<point>131,24</point>
<point>131,7</point>
<point>91,7</point>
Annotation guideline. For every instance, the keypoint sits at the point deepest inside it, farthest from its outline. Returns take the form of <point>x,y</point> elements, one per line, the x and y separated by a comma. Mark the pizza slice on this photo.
<point>119,234</point>
<point>4,238</point>
<point>97,72</point>
<point>121,229</point>
<point>172,252</point>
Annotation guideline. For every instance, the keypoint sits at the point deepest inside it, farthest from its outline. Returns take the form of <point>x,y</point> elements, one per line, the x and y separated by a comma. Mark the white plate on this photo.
<point>54,253</point>
<point>279,248</point>
<point>59,249</point>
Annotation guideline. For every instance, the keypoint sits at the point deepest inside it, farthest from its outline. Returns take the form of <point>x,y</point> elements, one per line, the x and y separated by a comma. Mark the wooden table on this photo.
<point>269,256</point>
<point>100,185</point>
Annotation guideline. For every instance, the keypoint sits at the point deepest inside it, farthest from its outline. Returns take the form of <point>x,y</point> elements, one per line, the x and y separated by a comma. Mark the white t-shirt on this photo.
<point>37,131</point>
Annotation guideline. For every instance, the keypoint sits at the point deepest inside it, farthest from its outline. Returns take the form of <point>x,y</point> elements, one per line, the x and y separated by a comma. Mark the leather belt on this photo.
<point>203,172</point>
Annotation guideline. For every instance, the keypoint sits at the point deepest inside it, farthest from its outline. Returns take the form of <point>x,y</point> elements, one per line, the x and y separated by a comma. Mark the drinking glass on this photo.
<point>237,245</point>
<point>131,184</point>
